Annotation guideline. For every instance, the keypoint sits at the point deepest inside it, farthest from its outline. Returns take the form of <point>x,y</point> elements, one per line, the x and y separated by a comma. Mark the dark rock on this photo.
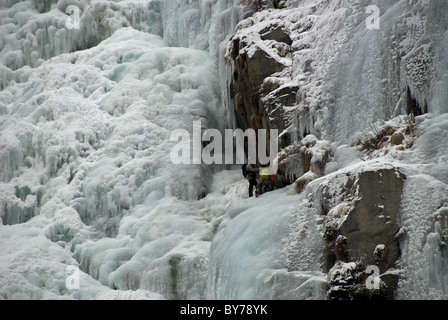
<point>277,32</point>
<point>247,87</point>
<point>350,281</point>
<point>397,138</point>
<point>258,97</point>
<point>259,5</point>
<point>374,220</point>
<point>412,105</point>
<point>262,65</point>
<point>367,234</point>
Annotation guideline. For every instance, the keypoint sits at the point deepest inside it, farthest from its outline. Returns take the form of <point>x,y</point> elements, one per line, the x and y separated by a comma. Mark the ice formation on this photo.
<point>85,176</point>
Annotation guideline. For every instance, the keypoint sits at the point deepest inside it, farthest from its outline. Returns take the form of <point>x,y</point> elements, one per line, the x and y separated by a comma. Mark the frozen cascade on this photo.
<point>85,175</point>
<point>369,72</point>
<point>424,210</point>
<point>251,254</point>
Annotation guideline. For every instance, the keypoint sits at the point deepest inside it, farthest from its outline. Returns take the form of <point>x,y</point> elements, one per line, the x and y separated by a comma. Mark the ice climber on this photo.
<point>266,182</point>
<point>250,172</point>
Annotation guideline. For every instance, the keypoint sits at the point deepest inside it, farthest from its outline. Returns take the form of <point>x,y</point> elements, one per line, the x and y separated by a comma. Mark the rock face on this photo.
<point>260,100</point>
<point>363,230</point>
<point>374,220</point>
<point>303,161</point>
<point>253,64</point>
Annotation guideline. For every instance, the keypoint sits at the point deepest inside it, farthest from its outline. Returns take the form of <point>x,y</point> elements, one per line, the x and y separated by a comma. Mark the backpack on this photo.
<point>245,172</point>
<point>264,175</point>
<point>263,187</point>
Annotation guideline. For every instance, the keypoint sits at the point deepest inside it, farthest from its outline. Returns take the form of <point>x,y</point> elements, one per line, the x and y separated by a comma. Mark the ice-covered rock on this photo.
<point>336,88</point>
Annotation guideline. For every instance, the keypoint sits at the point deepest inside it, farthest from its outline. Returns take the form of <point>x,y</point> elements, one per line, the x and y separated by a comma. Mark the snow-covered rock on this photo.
<point>340,76</point>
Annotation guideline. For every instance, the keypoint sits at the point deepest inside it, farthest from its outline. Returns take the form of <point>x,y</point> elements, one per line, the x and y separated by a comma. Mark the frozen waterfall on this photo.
<point>91,206</point>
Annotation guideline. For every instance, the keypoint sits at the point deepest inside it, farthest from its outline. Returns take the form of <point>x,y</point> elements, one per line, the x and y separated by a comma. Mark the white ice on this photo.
<point>85,175</point>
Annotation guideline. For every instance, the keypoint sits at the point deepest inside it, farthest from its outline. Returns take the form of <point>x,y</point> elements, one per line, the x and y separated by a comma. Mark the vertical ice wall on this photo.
<point>269,248</point>
<point>438,100</point>
<point>379,70</point>
<point>424,210</point>
<point>205,25</point>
